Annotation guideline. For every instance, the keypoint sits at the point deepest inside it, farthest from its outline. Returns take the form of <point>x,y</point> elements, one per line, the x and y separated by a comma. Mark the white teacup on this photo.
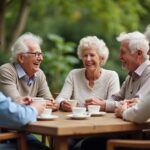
<point>72,102</point>
<point>93,109</point>
<point>38,99</point>
<point>79,111</point>
<point>46,113</point>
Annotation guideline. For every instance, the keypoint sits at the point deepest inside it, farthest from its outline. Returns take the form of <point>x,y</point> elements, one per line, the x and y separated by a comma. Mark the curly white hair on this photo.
<point>94,43</point>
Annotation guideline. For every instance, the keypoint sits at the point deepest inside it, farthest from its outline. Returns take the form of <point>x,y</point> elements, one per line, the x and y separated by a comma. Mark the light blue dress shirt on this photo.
<point>22,75</point>
<point>13,115</point>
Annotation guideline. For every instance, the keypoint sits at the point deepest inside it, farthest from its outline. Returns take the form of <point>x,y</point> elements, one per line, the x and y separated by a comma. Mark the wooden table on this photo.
<point>63,127</point>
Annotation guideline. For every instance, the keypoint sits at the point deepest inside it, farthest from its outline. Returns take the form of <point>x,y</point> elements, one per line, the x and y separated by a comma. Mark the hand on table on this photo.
<point>94,101</point>
<point>25,100</point>
<point>131,102</point>
<point>52,104</point>
<point>65,106</point>
<point>119,110</point>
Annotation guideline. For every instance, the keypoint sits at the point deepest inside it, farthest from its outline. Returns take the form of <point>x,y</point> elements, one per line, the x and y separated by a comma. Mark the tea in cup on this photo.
<point>46,113</point>
<point>79,111</point>
<point>72,102</point>
<point>93,109</point>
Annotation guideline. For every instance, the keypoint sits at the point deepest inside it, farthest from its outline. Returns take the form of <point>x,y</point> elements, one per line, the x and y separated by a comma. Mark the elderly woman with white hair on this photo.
<point>88,84</point>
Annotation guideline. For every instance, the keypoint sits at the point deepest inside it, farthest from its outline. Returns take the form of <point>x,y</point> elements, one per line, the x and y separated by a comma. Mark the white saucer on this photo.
<point>51,117</point>
<point>78,117</point>
<point>101,113</point>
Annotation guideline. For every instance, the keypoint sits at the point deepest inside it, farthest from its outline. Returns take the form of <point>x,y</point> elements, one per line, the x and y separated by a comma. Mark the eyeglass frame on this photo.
<point>36,54</point>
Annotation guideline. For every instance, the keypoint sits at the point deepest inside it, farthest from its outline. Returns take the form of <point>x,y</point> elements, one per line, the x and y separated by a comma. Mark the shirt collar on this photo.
<point>140,69</point>
<point>21,73</point>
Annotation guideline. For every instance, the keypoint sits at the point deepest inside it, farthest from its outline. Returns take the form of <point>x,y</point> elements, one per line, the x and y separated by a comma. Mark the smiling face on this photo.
<point>91,60</point>
<point>30,61</point>
<point>129,61</point>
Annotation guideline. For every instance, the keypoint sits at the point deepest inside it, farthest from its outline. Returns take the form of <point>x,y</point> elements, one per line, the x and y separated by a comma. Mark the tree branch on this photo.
<point>20,20</point>
<point>2,23</point>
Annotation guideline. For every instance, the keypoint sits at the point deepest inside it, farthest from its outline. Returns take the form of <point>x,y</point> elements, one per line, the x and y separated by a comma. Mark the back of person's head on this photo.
<point>136,41</point>
<point>147,33</point>
<point>94,43</point>
<point>20,46</point>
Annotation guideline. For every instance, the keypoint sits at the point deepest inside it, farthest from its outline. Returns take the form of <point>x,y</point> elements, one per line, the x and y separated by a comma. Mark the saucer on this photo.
<point>101,113</point>
<point>50,117</point>
<point>79,117</point>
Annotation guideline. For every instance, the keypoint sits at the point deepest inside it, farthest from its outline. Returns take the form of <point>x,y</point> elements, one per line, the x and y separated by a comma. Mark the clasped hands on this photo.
<point>123,105</point>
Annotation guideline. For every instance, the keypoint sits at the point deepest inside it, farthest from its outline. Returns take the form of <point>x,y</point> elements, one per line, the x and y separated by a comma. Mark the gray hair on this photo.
<point>93,42</point>
<point>147,33</point>
<point>136,41</point>
<point>20,45</point>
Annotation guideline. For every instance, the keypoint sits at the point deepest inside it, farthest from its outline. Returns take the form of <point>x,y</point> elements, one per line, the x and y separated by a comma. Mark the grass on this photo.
<point>39,137</point>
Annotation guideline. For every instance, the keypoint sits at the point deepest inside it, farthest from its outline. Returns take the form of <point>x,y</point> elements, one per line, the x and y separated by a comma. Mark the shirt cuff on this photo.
<point>111,105</point>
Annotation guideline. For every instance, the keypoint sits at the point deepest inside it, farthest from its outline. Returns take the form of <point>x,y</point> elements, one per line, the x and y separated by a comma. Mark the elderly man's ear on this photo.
<point>20,58</point>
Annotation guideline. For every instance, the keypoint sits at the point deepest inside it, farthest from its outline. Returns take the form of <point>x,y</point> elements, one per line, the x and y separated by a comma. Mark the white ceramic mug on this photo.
<point>79,111</point>
<point>93,109</point>
<point>46,113</point>
<point>38,99</point>
<point>72,102</point>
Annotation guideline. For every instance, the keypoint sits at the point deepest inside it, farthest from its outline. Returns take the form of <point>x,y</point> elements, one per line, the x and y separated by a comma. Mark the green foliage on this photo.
<point>4,57</point>
<point>74,19</point>
<point>58,61</point>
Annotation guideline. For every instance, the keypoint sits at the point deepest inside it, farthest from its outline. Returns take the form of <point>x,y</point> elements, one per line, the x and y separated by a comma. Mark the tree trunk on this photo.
<point>2,23</point>
<point>20,21</point>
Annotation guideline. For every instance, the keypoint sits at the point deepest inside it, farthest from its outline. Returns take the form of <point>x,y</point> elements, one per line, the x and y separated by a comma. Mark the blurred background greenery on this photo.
<point>62,23</point>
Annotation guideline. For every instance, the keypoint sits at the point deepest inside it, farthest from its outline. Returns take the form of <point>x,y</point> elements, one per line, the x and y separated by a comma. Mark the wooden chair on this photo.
<point>145,133</point>
<point>112,144</point>
<point>20,137</point>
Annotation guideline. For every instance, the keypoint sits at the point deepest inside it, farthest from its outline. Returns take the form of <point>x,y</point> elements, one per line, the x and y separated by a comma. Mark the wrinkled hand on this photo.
<point>52,104</point>
<point>131,102</point>
<point>25,100</point>
<point>94,101</point>
<point>65,106</point>
<point>120,109</point>
<point>39,106</point>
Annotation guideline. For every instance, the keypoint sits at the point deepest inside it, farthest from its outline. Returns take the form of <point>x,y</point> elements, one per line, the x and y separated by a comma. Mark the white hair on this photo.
<point>93,42</point>
<point>136,41</point>
<point>147,33</point>
<point>20,45</point>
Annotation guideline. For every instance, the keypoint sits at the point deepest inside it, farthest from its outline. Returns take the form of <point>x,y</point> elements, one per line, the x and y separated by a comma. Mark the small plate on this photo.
<point>51,117</point>
<point>79,117</point>
<point>101,113</point>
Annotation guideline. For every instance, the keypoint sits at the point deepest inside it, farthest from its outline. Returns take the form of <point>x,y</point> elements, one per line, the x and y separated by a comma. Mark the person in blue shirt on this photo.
<point>15,116</point>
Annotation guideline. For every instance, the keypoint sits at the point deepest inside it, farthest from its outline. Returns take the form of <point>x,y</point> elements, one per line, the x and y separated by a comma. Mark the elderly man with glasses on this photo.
<point>23,76</point>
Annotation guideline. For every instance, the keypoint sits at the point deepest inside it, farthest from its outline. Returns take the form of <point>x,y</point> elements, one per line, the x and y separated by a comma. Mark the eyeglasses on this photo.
<point>36,54</point>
